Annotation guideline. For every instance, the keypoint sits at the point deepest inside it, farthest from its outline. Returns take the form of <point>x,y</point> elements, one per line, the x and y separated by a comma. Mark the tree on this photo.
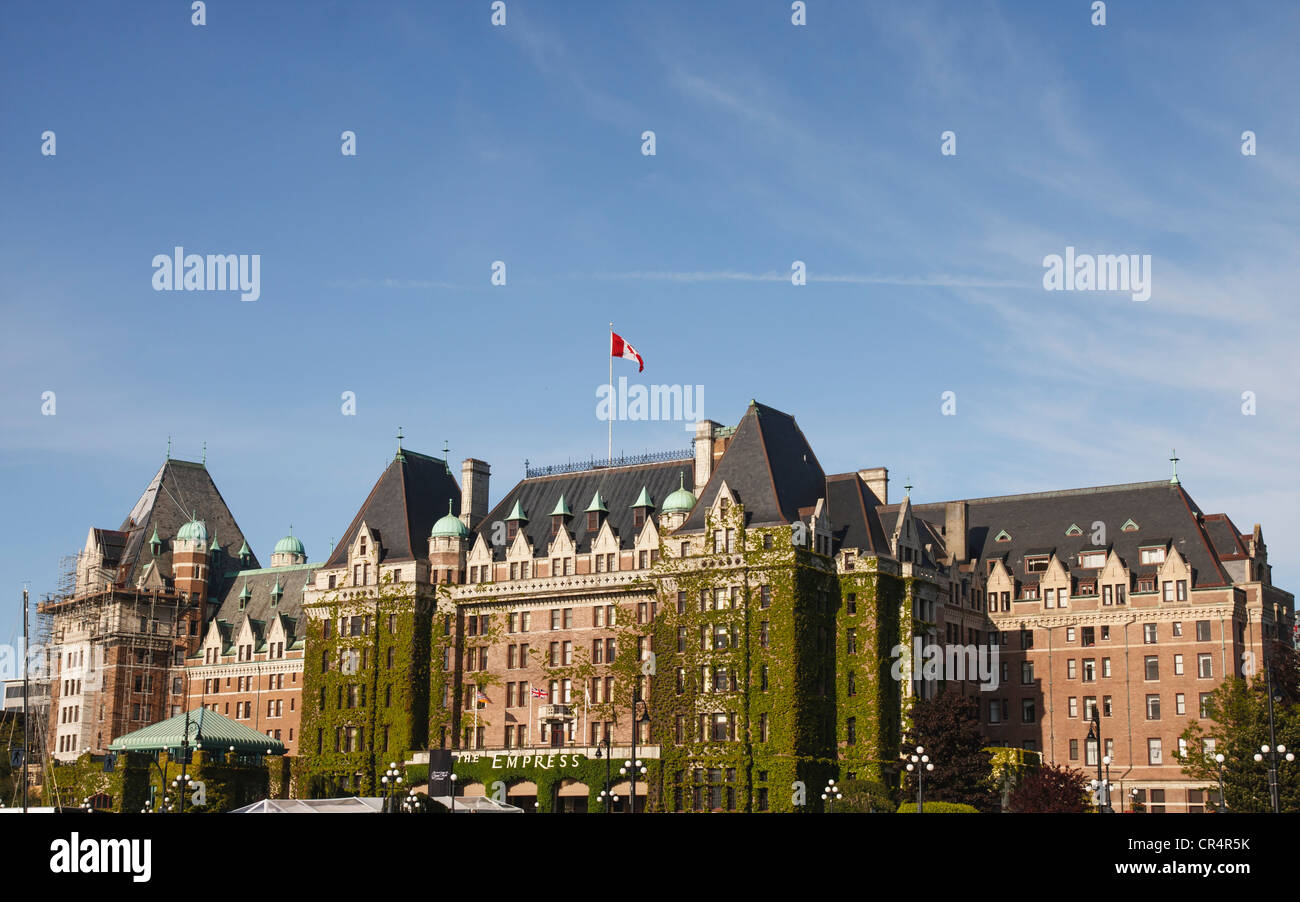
<point>1052,789</point>
<point>865,797</point>
<point>1238,712</point>
<point>948,727</point>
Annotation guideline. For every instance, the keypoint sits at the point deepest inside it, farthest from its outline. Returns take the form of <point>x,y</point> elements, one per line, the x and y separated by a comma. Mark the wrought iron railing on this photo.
<point>593,463</point>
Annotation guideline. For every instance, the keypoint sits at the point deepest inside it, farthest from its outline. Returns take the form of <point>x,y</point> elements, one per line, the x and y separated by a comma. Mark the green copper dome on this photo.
<point>449,526</point>
<point>193,531</point>
<point>290,545</point>
<point>680,501</point>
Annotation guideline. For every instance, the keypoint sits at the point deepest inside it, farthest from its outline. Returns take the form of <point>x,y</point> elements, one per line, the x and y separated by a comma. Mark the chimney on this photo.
<point>955,531</point>
<point>474,476</point>
<point>704,431</point>
<point>878,481</point>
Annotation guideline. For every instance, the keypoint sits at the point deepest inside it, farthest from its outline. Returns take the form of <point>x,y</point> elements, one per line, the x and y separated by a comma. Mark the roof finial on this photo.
<point>1173,458</point>
<point>907,487</point>
<point>205,454</point>
<point>446,460</point>
<point>169,447</point>
<point>400,456</point>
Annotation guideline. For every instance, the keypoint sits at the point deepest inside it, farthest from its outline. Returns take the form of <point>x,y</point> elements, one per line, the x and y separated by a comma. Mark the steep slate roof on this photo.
<point>618,486</point>
<point>179,488</point>
<point>410,496</point>
<point>1225,536</point>
<point>769,467</point>
<point>260,583</point>
<point>113,542</point>
<point>216,731</point>
<point>854,517</point>
<point>1163,511</point>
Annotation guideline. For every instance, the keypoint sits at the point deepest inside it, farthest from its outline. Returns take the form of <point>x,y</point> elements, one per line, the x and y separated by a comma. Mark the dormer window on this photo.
<point>1153,555</point>
<point>1037,564</point>
<point>593,521</point>
<point>362,548</point>
<point>1092,560</point>
<point>512,530</point>
<point>638,518</point>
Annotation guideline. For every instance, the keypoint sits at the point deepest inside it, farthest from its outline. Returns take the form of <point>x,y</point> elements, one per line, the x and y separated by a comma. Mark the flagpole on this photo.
<point>611,394</point>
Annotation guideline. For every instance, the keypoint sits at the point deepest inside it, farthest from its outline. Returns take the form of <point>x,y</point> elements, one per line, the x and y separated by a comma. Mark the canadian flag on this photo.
<point>619,348</point>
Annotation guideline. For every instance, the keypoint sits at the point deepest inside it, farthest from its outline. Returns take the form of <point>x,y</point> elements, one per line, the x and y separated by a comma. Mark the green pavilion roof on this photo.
<point>216,732</point>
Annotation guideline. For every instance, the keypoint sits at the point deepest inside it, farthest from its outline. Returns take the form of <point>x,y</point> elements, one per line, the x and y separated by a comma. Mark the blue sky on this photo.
<point>522,143</point>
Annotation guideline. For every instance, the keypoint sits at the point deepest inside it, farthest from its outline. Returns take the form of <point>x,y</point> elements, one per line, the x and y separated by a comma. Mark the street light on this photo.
<point>1102,787</point>
<point>1273,754</point>
<point>631,769</point>
<point>830,795</point>
<point>452,777</point>
<point>608,762</point>
<point>181,785</point>
<point>919,763</point>
<point>392,781</point>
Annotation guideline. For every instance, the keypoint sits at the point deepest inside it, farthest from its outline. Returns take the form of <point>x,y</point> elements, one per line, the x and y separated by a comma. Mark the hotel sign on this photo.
<point>511,762</point>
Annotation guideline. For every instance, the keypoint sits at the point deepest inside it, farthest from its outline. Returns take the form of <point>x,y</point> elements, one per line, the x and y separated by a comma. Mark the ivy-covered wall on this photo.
<point>138,781</point>
<point>385,695</point>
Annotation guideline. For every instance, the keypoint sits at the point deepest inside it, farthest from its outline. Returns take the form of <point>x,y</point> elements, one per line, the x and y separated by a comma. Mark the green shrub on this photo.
<point>939,808</point>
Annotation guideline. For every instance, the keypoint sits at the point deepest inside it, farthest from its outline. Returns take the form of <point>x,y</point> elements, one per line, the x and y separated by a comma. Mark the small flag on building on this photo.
<point>620,348</point>
<point>481,697</point>
<point>539,693</point>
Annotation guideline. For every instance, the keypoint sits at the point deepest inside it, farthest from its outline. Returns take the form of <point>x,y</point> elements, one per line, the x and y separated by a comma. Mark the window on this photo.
<point>1204,702</point>
<point>1069,634</point>
<point>1178,665</point>
<point>1088,636</point>
<point>1154,753</point>
<point>1202,631</point>
<point>1089,670</point>
<point>1071,670</point>
<point>762,634</point>
<point>851,731</point>
<point>1027,710</point>
<point>1149,634</point>
<point>1204,666</point>
<point>1105,668</point>
<point>1026,672</point>
<point>851,641</point>
<point>765,597</point>
<point>1107,595</point>
<point>763,678</point>
<point>1152,555</point>
<point>1180,703</point>
<point>1074,706</point>
<point>1151,664</point>
<point>1153,707</point>
<point>995,711</point>
<point>1181,586</point>
<point>1168,588</point>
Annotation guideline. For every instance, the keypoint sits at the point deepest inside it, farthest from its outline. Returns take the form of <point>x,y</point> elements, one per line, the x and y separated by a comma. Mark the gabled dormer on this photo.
<point>905,541</point>
<point>478,561</point>
<point>519,555</point>
<point>597,513</point>
<point>1174,577</point>
<point>363,557</point>
<point>560,517</point>
<point>604,550</point>
<point>1054,583</point>
<point>642,508</point>
<point>1115,580</point>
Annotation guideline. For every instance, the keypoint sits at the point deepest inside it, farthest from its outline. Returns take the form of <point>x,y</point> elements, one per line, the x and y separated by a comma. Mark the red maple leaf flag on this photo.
<point>619,348</point>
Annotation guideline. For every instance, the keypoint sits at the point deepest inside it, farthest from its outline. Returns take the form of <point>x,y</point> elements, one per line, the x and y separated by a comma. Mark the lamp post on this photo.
<point>1099,785</point>
<point>1273,751</point>
<point>181,785</point>
<point>631,769</point>
<point>452,778</point>
<point>392,780</point>
<point>1273,754</point>
<point>830,795</point>
<point>605,793</point>
<point>628,766</point>
<point>1223,801</point>
<point>919,763</point>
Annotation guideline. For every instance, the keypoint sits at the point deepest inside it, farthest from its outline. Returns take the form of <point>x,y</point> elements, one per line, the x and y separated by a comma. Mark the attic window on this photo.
<point>1002,536</point>
<point>1074,530</point>
<point>512,529</point>
<point>1037,564</point>
<point>638,518</point>
<point>593,521</point>
<point>1091,560</point>
<point>1153,555</point>
<point>724,503</point>
<point>1129,526</point>
<point>362,549</point>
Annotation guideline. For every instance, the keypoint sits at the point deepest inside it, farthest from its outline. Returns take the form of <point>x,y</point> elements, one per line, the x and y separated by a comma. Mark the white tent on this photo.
<point>349,805</point>
<point>478,805</point>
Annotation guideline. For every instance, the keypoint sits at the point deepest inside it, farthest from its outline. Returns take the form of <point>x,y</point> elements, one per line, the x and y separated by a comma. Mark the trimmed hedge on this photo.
<point>938,808</point>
